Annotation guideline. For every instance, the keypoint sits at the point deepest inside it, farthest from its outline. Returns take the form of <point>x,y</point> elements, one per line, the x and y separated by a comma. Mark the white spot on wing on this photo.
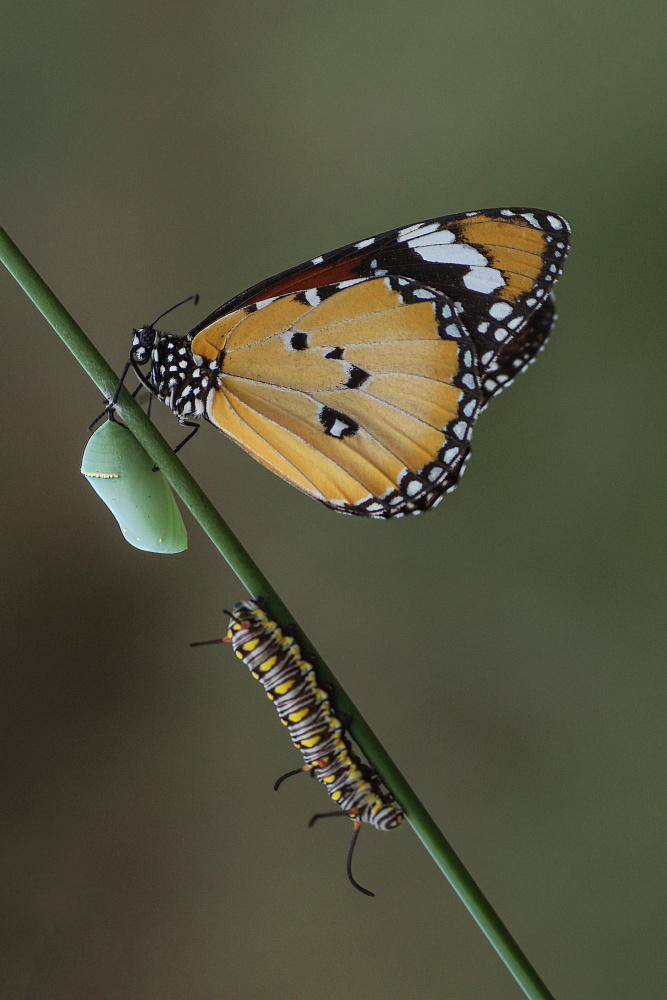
<point>418,230</point>
<point>338,428</point>
<point>265,302</point>
<point>349,282</point>
<point>429,237</point>
<point>483,279</point>
<point>449,253</point>
<point>402,233</point>
<point>529,217</point>
<point>500,310</point>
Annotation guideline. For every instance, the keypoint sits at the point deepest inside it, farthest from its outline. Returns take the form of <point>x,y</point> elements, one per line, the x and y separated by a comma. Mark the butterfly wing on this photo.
<point>357,375</point>
<point>362,394</point>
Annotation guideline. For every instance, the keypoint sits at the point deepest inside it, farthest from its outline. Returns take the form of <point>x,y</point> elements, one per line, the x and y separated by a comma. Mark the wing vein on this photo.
<point>327,458</point>
<point>333,461</point>
<point>231,401</point>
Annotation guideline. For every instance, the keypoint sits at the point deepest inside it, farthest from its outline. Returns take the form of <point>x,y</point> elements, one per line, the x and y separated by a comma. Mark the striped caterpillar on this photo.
<point>305,707</point>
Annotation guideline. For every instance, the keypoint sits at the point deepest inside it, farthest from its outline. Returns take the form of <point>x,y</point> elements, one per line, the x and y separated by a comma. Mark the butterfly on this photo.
<point>357,376</point>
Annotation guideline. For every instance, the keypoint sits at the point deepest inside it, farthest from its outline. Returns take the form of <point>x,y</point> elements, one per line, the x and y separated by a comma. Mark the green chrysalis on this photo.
<point>121,472</point>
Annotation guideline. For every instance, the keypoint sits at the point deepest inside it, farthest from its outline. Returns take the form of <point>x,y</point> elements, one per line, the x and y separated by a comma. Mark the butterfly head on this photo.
<point>143,342</point>
<point>147,337</point>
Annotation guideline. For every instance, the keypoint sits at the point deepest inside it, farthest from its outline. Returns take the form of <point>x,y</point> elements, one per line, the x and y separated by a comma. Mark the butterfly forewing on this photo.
<point>506,258</point>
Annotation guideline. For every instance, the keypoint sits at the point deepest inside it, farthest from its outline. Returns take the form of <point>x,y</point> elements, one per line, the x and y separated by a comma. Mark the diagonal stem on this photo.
<point>257,584</point>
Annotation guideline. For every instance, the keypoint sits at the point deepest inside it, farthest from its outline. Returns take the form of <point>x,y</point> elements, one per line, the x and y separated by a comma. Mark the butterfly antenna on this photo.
<point>177,306</point>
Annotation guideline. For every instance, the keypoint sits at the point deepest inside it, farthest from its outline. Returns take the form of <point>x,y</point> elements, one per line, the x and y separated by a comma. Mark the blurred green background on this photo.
<point>508,647</point>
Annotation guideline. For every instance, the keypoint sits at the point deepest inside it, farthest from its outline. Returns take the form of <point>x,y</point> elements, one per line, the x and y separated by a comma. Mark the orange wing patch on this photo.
<point>434,403</point>
<point>287,433</point>
<point>348,304</point>
<point>232,421</point>
<point>271,362</point>
<point>408,438</point>
<point>516,249</point>
<point>211,341</point>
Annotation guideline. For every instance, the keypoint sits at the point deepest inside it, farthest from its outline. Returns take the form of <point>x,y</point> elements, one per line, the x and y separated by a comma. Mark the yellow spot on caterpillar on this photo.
<point>312,742</point>
<point>298,716</point>
<point>268,664</point>
<point>250,645</point>
<point>284,688</point>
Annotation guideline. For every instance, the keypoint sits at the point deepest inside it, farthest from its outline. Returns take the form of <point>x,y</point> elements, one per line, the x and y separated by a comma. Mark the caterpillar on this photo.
<point>304,706</point>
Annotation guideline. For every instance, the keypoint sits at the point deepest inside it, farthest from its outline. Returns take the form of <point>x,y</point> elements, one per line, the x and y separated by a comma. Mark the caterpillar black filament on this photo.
<point>304,706</point>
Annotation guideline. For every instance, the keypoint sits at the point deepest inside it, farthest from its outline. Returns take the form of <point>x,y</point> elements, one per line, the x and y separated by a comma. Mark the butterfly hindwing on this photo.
<point>361,394</point>
<point>499,370</point>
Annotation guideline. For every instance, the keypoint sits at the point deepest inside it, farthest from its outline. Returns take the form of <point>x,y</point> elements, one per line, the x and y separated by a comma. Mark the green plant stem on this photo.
<point>256,583</point>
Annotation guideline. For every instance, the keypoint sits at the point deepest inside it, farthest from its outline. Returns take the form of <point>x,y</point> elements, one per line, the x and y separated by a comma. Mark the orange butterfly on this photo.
<point>357,376</point>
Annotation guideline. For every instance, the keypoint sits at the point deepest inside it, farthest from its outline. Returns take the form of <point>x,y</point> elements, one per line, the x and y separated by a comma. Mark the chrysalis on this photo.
<point>121,473</point>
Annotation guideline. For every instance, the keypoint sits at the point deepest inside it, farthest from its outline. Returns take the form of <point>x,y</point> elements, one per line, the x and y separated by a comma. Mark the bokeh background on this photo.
<point>507,647</point>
